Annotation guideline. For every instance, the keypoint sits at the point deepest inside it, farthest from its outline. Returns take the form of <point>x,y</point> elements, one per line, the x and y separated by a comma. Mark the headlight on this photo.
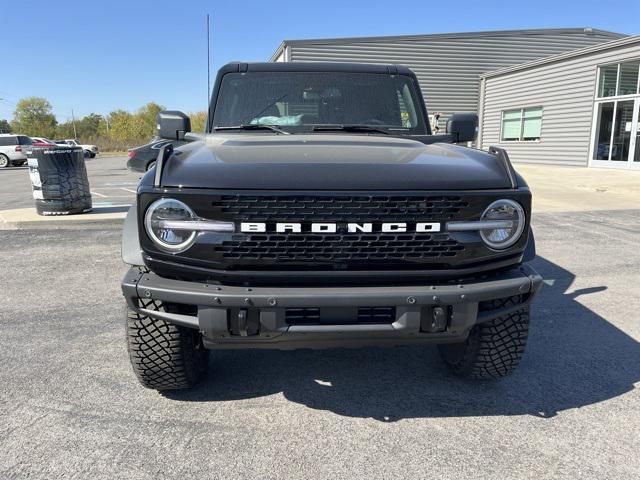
<point>509,219</point>
<point>163,222</point>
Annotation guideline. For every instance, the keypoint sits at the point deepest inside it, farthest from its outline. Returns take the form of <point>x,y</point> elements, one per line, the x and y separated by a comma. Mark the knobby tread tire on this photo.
<point>494,348</point>
<point>164,356</point>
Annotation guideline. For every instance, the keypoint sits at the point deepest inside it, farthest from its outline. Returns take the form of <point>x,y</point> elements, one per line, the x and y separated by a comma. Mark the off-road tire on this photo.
<point>164,356</point>
<point>4,161</point>
<point>493,349</point>
<point>64,191</point>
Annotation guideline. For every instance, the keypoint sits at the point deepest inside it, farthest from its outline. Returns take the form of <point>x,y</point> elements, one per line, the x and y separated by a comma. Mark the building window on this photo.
<point>618,79</point>
<point>521,125</point>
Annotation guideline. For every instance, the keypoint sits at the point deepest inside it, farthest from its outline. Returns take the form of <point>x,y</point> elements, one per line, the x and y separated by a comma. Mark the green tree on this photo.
<point>89,126</point>
<point>145,120</point>
<point>64,130</point>
<point>198,119</point>
<point>121,126</point>
<point>33,116</point>
<point>5,127</point>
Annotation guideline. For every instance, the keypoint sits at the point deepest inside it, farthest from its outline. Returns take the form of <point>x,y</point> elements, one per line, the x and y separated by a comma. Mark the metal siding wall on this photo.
<point>448,68</point>
<point>566,92</point>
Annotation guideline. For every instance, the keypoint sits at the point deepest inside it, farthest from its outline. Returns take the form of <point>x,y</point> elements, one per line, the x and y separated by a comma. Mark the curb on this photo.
<point>111,224</point>
<point>98,218</point>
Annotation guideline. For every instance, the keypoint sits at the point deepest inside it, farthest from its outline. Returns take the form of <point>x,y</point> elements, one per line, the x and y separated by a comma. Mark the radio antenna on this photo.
<point>208,62</point>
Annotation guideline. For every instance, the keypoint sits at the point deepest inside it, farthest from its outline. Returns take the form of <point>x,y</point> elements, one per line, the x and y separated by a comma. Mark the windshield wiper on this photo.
<point>251,126</point>
<point>349,128</point>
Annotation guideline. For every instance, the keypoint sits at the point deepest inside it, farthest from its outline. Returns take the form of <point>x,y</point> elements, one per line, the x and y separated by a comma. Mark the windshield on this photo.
<point>299,101</point>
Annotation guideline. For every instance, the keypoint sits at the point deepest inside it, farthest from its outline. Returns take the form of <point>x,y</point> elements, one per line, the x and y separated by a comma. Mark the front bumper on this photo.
<point>241,317</point>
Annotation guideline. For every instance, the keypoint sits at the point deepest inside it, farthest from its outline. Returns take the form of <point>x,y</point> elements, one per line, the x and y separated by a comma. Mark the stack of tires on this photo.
<point>59,180</point>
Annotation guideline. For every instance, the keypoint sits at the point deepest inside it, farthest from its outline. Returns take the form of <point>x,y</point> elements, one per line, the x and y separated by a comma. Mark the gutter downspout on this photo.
<point>481,112</point>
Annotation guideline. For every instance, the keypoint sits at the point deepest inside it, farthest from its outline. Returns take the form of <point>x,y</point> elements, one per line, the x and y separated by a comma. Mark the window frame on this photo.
<point>522,118</point>
<point>599,68</point>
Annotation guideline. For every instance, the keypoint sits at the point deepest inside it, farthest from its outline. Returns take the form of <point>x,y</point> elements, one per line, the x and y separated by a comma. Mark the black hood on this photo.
<point>330,162</point>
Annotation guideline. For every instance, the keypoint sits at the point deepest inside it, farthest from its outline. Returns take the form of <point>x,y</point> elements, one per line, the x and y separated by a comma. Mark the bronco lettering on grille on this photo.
<point>387,227</point>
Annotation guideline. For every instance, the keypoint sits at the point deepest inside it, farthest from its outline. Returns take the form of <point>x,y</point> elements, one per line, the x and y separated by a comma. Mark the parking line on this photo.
<point>98,194</point>
<point>128,190</point>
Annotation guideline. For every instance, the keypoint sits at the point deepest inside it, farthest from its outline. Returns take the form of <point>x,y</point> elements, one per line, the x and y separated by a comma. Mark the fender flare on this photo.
<point>530,249</point>
<point>131,250</point>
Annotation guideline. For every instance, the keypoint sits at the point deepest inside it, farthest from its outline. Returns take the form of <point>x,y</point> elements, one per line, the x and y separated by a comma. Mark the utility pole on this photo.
<point>106,120</point>
<point>73,120</point>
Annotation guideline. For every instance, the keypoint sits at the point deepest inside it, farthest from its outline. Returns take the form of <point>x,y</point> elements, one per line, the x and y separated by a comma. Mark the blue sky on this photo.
<point>96,56</point>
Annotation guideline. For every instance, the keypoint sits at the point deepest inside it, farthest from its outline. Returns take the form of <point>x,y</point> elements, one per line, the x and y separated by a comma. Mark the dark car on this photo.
<point>319,210</point>
<point>144,157</point>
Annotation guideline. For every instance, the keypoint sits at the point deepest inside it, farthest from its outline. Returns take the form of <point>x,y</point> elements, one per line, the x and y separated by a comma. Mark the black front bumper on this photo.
<point>241,317</point>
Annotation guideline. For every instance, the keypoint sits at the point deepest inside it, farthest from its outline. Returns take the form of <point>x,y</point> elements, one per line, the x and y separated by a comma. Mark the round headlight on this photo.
<point>509,215</point>
<point>160,223</point>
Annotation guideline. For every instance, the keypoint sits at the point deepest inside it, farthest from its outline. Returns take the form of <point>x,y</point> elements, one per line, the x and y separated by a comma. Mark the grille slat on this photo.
<point>345,208</point>
<point>305,247</point>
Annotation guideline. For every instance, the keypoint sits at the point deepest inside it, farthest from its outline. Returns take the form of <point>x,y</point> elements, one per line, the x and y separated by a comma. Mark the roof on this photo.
<point>435,36</point>
<point>315,67</point>
<point>623,42</point>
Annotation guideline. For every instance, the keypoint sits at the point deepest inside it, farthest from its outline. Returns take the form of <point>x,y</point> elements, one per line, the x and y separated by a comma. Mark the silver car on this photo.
<point>12,149</point>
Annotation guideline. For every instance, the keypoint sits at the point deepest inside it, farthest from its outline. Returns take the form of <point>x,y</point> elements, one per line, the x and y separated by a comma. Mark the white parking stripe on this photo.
<point>93,192</point>
<point>128,190</point>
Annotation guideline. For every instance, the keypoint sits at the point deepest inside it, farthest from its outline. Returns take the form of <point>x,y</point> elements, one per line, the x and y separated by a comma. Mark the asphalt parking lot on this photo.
<point>70,406</point>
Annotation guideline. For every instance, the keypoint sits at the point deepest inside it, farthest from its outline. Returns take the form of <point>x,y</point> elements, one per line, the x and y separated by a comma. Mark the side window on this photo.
<point>521,125</point>
<point>25,140</point>
<point>408,112</point>
<point>6,141</point>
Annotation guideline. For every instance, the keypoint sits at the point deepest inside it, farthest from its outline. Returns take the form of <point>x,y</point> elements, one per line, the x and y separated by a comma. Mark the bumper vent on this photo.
<point>340,316</point>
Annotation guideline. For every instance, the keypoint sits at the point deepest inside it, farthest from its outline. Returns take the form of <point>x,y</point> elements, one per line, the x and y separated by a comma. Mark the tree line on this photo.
<point>118,130</point>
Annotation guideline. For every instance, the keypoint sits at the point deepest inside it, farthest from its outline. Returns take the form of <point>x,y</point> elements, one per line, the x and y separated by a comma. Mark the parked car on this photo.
<point>42,142</point>
<point>11,149</point>
<point>335,218</point>
<point>144,157</point>
<point>89,150</point>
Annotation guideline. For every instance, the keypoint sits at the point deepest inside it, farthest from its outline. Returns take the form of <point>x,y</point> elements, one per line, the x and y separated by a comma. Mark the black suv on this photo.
<point>319,210</point>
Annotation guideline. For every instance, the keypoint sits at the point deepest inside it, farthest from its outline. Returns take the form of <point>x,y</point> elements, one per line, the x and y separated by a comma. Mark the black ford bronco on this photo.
<point>319,210</point>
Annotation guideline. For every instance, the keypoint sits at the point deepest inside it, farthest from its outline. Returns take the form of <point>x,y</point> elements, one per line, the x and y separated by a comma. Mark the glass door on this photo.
<point>616,139</point>
<point>635,139</point>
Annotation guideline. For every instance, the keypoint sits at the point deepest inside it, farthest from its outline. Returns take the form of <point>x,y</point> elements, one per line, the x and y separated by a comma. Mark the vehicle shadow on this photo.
<point>574,358</point>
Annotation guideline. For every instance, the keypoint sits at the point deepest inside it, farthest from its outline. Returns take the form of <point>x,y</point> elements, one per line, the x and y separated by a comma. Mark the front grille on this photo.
<point>331,316</point>
<point>331,208</point>
<point>341,249</point>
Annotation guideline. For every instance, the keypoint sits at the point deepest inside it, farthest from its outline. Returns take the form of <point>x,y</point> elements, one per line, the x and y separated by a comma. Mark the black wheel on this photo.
<point>86,153</point>
<point>92,155</point>
<point>151,165</point>
<point>493,349</point>
<point>4,161</point>
<point>164,356</point>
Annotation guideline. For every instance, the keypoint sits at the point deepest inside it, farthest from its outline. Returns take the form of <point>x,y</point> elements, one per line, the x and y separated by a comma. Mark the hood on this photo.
<point>330,162</point>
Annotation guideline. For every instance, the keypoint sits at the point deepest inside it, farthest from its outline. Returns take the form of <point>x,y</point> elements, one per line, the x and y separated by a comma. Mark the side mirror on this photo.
<point>463,127</point>
<point>172,125</point>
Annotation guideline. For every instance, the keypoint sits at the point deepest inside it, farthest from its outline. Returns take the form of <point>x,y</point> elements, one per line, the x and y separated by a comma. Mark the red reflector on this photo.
<point>18,148</point>
<point>132,153</point>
